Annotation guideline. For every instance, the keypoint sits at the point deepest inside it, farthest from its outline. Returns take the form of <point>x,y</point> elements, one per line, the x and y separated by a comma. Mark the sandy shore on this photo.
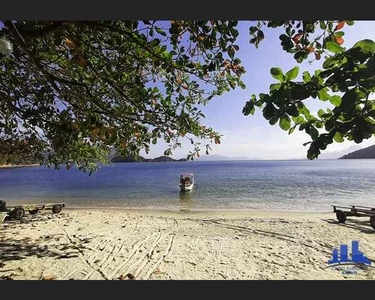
<point>17,166</point>
<point>110,244</point>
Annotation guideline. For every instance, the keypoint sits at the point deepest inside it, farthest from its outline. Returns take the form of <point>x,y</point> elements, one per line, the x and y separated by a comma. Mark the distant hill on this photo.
<point>166,159</point>
<point>131,158</point>
<point>364,153</point>
<point>338,154</point>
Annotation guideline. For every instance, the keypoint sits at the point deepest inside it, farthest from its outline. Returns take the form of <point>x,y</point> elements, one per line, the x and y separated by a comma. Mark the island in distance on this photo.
<point>131,158</point>
<point>213,157</point>
<point>365,153</point>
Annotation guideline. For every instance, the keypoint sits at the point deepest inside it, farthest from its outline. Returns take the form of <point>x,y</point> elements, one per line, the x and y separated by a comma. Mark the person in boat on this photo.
<point>182,180</point>
<point>187,180</point>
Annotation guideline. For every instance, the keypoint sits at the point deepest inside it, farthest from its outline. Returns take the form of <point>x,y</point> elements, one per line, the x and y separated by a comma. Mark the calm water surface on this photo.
<point>282,185</point>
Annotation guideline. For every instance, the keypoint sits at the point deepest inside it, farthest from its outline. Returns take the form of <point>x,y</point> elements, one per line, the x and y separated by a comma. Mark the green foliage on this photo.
<point>338,137</point>
<point>277,74</point>
<point>334,47</point>
<point>367,46</point>
<point>292,74</point>
<point>16,152</point>
<point>249,107</point>
<point>347,81</point>
<point>335,100</point>
<point>76,89</point>
<point>284,122</point>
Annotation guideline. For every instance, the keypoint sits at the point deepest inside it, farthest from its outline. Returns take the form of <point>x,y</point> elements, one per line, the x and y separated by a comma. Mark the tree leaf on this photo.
<point>335,100</point>
<point>349,100</point>
<point>306,76</point>
<point>275,86</point>
<point>303,109</point>
<point>292,74</point>
<point>340,33</point>
<point>349,22</point>
<point>339,40</point>
<point>268,111</point>
<point>339,25</point>
<point>299,120</point>
<point>292,110</point>
<point>313,132</point>
<point>329,63</point>
<point>277,73</point>
<point>297,37</point>
<point>274,120</point>
<point>338,137</point>
<point>366,45</point>
<point>333,47</point>
<point>249,108</point>
<point>160,31</point>
<point>253,29</point>
<point>323,95</point>
<point>260,35</point>
<point>284,122</point>
<point>322,25</point>
<point>291,130</point>
<point>70,44</point>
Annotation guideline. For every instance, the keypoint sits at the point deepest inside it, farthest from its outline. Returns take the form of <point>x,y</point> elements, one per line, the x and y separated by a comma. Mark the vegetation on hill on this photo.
<point>119,158</point>
<point>364,153</point>
<point>130,158</point>
<point>164,159</point>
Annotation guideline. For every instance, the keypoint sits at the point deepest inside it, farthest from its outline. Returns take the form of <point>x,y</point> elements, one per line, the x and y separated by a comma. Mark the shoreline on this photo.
<point>211,211</point>
<point>18,166</point>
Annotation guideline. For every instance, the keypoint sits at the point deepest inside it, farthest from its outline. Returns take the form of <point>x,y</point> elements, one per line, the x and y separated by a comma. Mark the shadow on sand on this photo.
<point>361,225</point>
<point>13,248</point>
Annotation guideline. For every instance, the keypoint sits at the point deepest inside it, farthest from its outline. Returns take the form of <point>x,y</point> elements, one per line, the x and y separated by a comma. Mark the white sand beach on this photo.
<point>159,245</point>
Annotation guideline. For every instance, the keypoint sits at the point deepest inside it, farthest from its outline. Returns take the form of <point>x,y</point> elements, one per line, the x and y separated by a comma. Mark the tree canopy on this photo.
<point>75,89</point>
<point>72,90</point>
<point>347,81</point>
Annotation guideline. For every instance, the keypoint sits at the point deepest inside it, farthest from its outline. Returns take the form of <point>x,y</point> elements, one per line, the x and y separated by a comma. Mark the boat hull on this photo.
<point>186,187</point>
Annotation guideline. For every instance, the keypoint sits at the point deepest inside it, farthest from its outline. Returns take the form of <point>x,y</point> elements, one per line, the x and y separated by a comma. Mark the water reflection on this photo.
<point>186,201</point>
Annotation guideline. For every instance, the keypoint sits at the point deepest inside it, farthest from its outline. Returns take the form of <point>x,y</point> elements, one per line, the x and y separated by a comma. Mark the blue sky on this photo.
<point>252,136</point>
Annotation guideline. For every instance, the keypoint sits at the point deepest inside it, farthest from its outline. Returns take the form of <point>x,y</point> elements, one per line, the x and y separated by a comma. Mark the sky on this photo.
<point>252,136</point>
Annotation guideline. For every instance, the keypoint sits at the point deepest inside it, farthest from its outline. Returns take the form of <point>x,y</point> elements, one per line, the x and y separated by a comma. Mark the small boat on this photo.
<point>186,182</point>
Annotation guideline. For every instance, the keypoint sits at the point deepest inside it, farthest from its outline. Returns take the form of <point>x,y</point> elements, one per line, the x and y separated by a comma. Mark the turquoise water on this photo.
<point>281,185</point>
